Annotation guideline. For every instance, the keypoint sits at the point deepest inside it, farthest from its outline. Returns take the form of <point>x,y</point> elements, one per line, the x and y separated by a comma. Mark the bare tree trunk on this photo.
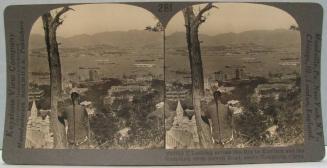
<point>50,25</point>
<point>192,23</point>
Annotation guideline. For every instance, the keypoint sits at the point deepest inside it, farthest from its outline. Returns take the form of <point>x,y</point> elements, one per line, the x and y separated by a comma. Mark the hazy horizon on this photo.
<point>210,35</point>
<point>228,18</point>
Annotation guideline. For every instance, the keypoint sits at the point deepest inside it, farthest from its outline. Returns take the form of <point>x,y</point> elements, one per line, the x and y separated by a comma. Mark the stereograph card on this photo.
<point>163,83</point>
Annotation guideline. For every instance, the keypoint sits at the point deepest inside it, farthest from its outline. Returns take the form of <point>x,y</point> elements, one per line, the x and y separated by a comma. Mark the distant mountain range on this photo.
<point>141,38</point>
<point>258,37</point>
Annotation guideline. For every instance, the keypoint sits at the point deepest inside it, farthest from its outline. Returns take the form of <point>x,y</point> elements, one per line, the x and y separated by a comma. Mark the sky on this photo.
<point>236,18</point>
<point>228,18</point>
<point>96,18</point>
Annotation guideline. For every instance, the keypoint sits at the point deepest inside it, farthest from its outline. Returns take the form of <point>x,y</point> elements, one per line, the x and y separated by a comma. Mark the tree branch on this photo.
<point>56,20</point>
<point>200,18</point>
<point>157,28</point>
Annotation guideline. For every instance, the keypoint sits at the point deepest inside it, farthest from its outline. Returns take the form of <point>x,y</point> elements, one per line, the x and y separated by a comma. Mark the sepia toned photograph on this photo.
<point>232,78</point>
<point>96,79</point>
<point>218,75</point>
<point>163,83</point>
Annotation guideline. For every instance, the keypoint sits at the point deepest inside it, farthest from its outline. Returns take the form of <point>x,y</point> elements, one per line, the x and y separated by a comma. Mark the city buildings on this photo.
<point>230,73</point>
<point>88,74</point>
<point>35,94</point>
<point>130,88</point>
<point>175,95</point>
<point>270,91</point>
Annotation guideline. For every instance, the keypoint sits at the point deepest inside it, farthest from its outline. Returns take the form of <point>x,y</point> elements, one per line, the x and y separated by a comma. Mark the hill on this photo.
<point>141,38</point>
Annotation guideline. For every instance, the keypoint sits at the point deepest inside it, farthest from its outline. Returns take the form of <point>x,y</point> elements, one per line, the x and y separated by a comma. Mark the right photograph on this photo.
<point>233,77</point>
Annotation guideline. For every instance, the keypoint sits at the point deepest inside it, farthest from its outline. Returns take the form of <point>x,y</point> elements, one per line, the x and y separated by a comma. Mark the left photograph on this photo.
<point>96,79</point>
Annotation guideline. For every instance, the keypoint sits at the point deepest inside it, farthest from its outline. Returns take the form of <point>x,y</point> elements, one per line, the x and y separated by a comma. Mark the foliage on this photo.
<point>285,113</point>
<point>103,126</point>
